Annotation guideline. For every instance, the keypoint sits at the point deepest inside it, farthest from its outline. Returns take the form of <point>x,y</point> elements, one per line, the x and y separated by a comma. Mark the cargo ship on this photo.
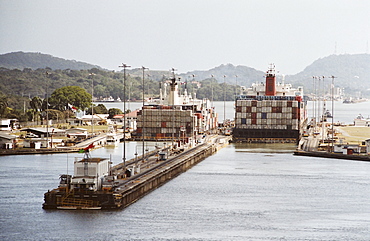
<point>270,112</point>
<point>176,115</point>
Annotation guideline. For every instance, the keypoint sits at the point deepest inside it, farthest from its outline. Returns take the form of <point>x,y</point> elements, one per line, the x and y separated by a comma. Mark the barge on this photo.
<point>91,187</point>
<point>95,185</point>
<point>270,112</point>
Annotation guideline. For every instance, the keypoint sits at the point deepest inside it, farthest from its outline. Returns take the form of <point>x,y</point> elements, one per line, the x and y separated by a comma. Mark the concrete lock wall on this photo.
<point>164,174</point>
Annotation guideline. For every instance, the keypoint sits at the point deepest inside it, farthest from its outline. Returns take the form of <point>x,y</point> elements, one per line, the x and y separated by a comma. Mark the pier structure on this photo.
<point>153,177</point>
<point>126,185</point>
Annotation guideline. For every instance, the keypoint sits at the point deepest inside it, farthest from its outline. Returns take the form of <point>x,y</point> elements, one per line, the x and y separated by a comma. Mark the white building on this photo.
<point>131,119</point>
<point>7,141</point>
<point>8,124</point>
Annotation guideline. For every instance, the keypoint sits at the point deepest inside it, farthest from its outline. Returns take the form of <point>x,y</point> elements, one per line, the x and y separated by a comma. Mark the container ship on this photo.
<point>270,112</point>
<point>175,116</point>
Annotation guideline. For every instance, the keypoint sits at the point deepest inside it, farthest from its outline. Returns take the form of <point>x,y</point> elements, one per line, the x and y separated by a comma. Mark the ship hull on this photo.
<point>265,135</point>
<point>92,200</point>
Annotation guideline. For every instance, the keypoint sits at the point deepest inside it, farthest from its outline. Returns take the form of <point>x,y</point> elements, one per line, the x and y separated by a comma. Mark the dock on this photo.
<point>133,179</point>
<point>325,154</point>
<point>98,140</point>
<point>153,176</point>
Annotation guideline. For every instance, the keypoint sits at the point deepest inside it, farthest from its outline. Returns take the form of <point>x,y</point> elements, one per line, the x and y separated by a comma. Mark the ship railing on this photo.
<point>262,97</point>
<point>69,200</point>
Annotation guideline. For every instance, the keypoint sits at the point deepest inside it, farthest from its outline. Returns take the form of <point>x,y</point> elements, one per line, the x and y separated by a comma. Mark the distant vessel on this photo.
<point>270,112</point>
<point>361,121</point>
<point>353,101</point>
<point>112,137</point>
<point>327,114</point>
<point>110,99</point>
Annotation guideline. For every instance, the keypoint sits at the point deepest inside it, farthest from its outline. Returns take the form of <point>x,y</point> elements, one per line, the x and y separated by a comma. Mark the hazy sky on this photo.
<point>187,34</point>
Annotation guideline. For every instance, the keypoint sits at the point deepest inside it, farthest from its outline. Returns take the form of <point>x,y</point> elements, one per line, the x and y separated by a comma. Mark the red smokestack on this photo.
<point>270,89</point>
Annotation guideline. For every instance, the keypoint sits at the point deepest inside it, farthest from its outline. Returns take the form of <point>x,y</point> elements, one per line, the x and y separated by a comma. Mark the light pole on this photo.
<point>314,100</point>
<point>129,95</point>
<point>224,100</point>
<point>194,109</point>
<point>149,79</point>
<point>323,124</point>
<point>173,81</point>
<point>47,111</point>
<point>92,104</point>
<point>124,66</point>
<point>332,114</point>
<point>143,116</point>
<point>136,156</point>
<point>236,86</point>
<point>212,76</point>
<point>319,104</point>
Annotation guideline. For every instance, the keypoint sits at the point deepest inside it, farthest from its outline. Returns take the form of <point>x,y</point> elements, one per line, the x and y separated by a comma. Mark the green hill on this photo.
<point>352,72</point>
<point>240,75</point>
<point>21,60</point>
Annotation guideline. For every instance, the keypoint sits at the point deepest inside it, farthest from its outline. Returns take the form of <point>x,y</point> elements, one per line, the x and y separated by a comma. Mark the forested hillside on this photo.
<point>352,72</point>
<point>21,60</point>
<point>41,82</point>
<point>18,86</point>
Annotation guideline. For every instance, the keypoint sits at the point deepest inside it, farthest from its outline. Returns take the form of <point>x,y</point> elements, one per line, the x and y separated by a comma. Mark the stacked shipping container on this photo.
<point>268,117</point>
<point>164,122</point>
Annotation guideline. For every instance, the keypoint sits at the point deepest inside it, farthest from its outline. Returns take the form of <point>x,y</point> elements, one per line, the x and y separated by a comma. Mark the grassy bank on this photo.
<point>354,134</point>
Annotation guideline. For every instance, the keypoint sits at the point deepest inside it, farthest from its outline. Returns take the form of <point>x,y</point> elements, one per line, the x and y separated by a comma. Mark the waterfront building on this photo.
<point>7,141</point>
<point>130,120</point>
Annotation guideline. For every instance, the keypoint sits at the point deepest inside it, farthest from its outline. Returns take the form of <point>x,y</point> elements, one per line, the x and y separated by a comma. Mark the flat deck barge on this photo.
<point>124,185</point>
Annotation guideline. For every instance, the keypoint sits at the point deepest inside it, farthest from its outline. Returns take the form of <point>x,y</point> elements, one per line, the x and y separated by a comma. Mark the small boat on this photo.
<point>327,114</point>
<point>354,100</point>
<point>112,137</point>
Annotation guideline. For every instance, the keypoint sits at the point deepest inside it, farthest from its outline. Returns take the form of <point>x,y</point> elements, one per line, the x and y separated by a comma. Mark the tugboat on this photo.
<point>112,138</point>
<point>91,187</point>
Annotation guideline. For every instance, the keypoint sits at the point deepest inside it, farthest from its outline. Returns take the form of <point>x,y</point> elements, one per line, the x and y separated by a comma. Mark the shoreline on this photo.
<point>333,155</point>
<point>30,151</point>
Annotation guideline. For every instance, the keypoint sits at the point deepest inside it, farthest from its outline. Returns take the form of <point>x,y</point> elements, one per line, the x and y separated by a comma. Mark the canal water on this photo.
<point>243,192</point>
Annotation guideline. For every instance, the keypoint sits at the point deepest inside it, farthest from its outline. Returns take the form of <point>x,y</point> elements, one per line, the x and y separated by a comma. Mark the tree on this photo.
<point>3,106</point>
<point>114,111</point>
<point>99,109</point>
<point>55,115</point>
<point>36,106</point>
<point>70,95</point>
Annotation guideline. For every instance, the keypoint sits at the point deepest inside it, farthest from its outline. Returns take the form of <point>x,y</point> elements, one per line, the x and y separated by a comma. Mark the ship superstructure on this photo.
<point>175,115</point>
<point>269,112</point>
